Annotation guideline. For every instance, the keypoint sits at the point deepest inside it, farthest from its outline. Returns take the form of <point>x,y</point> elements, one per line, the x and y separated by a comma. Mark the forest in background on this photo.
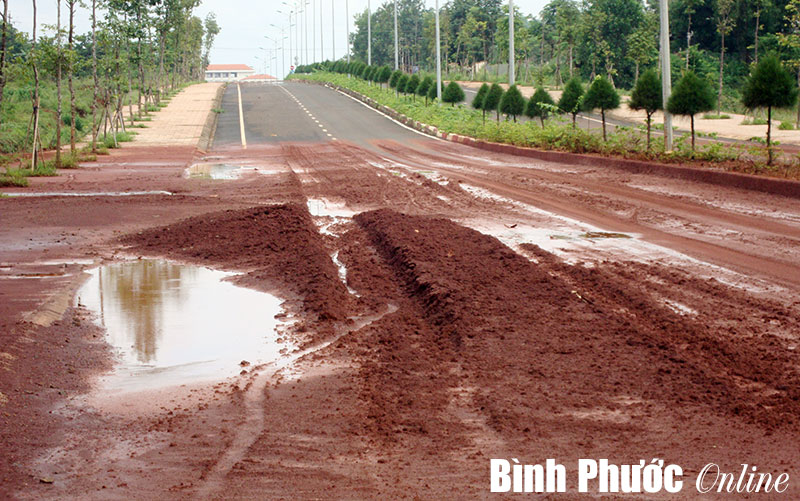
<point>97,83</point>
<point>614,38</point>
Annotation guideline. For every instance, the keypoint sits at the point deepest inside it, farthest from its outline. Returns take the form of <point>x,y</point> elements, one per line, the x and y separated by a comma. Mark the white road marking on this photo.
<point>241,117</point>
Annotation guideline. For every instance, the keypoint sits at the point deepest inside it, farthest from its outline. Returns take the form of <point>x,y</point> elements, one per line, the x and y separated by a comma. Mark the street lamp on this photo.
<point>438,59</point>
<point>369,33</point>
<point>333,31</point>
<point>511,58</point>
<point>396,59</point>
<point>666,76</point>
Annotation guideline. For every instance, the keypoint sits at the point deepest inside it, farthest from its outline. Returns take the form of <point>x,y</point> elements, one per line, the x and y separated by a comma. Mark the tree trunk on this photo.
<point>70,71</point>
<point>603,115</point>
<point>692,120</point>
<point>35,92</point>
<point>574,117</point>
<point>769,135</point>
<point>95,125</point>
<point>3,39</point>
<point>571,60</point>
<point>721,70</point>
<point>649,121</point>
<point>58,84</point>
<point>636,75</point>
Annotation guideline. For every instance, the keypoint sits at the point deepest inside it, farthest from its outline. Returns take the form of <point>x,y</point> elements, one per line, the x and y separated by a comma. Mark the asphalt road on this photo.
<point>291,112</point>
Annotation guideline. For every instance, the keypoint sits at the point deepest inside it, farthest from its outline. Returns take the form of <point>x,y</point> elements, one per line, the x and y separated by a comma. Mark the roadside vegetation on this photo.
<point>66,96</point>
<point>555,129</point>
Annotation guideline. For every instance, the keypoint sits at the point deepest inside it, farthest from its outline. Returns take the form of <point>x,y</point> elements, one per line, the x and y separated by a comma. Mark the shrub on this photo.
<point>492,100</point>
<point>477,102</point>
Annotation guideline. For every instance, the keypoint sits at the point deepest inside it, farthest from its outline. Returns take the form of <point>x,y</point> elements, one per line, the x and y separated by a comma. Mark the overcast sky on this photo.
<point>244,24</point>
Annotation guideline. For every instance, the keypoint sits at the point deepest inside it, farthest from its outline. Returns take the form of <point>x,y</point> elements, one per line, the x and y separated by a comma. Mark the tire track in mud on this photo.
<point>718,252</point>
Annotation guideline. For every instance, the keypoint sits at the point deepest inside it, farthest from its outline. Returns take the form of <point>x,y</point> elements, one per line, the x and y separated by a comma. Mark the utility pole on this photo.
<point>321,42</point>
<point>333,30</point>
<point>305,29</point>
<point>347,24</point>
<point>313,30</point>
<point>396,58</point>
<point>438,58</point>
<point>369,33</point>
<point>511,58</point>
<point>666,77</point>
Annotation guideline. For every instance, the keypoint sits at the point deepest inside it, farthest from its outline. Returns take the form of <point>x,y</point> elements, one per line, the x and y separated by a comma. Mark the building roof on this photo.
<point>228,67</point>
<point>263,76</point>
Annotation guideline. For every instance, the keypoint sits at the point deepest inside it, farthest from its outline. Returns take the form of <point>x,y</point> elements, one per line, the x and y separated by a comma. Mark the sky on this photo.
<point>244,25</point>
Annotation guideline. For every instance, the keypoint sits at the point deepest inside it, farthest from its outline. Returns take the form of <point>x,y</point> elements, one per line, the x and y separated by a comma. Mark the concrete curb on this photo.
<point>775,186</point>
<point>210,127</point>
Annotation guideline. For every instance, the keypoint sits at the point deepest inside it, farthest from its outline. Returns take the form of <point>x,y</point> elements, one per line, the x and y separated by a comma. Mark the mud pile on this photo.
<point>277,246</point>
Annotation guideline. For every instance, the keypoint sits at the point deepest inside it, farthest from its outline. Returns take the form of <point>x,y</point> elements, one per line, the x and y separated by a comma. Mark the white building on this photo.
<point>228,72</point>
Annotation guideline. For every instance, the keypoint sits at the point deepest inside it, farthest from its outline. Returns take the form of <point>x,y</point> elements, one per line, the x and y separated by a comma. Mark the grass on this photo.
<point>754,121</point>
<point>722,116</point>
<point>558,133</point>
<point>786,125</point>
<point>14,180</point>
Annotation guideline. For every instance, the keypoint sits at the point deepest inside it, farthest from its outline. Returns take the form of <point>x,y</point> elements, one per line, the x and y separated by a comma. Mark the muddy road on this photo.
<point>439,306</point>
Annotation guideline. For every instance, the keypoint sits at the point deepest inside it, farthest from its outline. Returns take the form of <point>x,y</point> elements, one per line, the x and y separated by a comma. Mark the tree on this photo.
<point>3,49</point>
<point>477,102</point>
<point>770,86</point>
<point>385,74</point>
<point>411,86</point>
<point>572,98</point>
<point>211,30</point>
<point>432,94</point>
<point>453,93</point>
<point>540,105</point>
<point>601,95</point>
<point>71,74</point>
<point>492,100</point>
<point>396,74</point>
<point>58,83</point>
<point>691,95</point>
<point>725,23</point>
<point>689,8</point>
<point>401,83</point>
<point>424,86</point>
<point>512,103</point>
<point>647,96</point>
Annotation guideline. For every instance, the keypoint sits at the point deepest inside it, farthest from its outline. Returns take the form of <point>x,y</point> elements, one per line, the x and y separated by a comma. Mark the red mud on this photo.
<point>467,350</point>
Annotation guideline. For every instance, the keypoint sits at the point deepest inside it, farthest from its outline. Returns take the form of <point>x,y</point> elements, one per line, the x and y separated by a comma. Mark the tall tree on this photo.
<point>58,83</point>
<point>725,23</point>
<point>3,49</point>
<point>572,98</point>
<point>71,73</point>
<point>35,116</point>
<point>689,8</point>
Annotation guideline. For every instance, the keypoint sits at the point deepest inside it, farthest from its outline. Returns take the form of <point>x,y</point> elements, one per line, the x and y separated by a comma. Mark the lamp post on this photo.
<point>396,58</point>
<point>333,30</point>
<point>369,33</point>
<point>283,50</point>
<point>347,24</point>
<point>321,42</point>
<point>666,77</point>
<point>438,59</point>
<point>511,58</point>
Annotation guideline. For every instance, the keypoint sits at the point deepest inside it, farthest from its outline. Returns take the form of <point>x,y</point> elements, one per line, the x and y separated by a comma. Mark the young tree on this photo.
<point>601,95</point>
<point>725,23</point>
<point>432,94</point>
<point>492,100</point>
<point>477,102</point>
<point>411,86</point>
<point>512,103</point>
<point>396,74</point>
<point>71,73</point>
<point>571,98</point>
<point>770,86</point>
<point>540,105</point>
<point>3,48</point>
<point>401,83</point>
<point>384,75</point>
<point>424,86</point>
<point>692,95</point>
<point>647,96</point>
<point>453,93</point>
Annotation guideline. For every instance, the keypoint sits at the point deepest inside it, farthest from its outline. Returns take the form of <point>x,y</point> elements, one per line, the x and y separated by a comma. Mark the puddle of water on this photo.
<point>214,171</point>
<point>321,207</point>
<point>342,272</point>
<point>172,324</point>
<point>86,193</point>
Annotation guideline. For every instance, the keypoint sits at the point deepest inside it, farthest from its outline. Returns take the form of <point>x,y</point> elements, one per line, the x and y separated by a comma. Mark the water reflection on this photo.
<point>173,323</point>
